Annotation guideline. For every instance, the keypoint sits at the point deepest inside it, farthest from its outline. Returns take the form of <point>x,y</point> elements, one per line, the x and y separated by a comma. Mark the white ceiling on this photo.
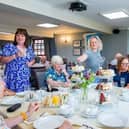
<point>95,7</point>
<point>12,18</point>
<point>12,15</point>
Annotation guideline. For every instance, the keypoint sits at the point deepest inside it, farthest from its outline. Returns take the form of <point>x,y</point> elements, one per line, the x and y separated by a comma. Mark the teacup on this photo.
<point>66,110</point>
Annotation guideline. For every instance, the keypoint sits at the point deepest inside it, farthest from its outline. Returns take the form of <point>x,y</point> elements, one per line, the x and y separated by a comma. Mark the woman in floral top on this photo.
<point>57,76</point>
<point>18,57</point>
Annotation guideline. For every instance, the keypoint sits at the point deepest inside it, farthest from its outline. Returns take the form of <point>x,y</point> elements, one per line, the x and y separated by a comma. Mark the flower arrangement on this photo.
<point>86,79</point>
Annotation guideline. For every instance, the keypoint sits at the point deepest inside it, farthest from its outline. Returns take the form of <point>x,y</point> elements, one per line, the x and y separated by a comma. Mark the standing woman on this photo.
<point>18,57</point>
<point>92,56</point>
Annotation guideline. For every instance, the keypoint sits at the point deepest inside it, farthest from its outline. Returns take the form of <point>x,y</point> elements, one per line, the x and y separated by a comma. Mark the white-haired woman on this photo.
<point>56,76</point>
<point>92,56</point>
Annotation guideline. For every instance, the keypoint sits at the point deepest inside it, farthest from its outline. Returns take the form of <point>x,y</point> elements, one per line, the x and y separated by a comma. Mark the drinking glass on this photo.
<point>2,123</point>
<point>26,88</point>
<point>115,98</point>
<point>91,106</point>
<point>122,81</point>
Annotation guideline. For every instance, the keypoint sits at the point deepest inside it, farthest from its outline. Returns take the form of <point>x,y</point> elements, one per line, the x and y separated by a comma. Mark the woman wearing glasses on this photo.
<point>122,75</point>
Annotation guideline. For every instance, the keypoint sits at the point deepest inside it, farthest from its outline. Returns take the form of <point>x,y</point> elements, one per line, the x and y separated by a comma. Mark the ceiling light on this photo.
<point>47,25</point>
<point>115,15</point>
<point>5,33</point>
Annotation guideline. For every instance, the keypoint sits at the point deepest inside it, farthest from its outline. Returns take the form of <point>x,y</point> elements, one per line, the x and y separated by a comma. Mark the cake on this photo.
<point>104,86</point>
<point>105,72</point>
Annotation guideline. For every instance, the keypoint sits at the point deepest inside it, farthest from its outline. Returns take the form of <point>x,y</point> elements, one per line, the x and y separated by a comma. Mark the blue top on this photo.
<point>51,73</point>
<point>118,77</point>
<point>17,72</point>
<point>94,60</point>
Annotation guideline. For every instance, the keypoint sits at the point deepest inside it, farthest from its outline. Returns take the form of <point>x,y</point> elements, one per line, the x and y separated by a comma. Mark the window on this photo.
<point>39,48</point>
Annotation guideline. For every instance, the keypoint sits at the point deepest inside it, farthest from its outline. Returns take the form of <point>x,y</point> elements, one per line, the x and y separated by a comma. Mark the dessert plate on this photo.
<point>112,120</point>
<point>49,122</point>
<point>10,100</point>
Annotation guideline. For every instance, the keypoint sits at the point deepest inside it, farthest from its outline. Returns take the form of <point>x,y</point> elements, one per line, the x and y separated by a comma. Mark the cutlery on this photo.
<point>87,126</point>
<point>31,120</point>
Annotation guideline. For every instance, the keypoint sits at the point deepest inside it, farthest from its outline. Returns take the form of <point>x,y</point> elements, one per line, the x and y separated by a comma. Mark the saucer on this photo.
<point>66,110</point>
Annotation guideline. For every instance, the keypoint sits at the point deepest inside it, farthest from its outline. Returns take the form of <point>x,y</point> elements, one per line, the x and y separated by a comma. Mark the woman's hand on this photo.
<point>67,84</point>
<point>30,63</point>
<point>8,92</point>
<point>32,108</point>
<point>66,125</point>
<point>2,88</point>
<point>20,54</point>
<point>127,86</point>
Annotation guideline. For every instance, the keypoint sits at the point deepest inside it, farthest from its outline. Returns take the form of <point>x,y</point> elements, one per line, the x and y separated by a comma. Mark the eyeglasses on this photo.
<point>126,64</point>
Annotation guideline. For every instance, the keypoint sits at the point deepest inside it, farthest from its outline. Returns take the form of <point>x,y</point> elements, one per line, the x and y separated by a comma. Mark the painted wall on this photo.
<point>65,49</point>
<point>115,43</point>
<point>7,37</point>
<point>111,45</point>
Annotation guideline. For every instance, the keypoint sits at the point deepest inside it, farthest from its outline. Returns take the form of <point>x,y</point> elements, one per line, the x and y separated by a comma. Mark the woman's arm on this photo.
<point>53,83</point>
<point>7,59</point>
<point>11,122</point>
<point>82,58</point>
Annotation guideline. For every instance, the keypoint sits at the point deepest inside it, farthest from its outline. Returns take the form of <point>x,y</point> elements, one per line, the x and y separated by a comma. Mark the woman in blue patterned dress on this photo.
<point>19,57</point>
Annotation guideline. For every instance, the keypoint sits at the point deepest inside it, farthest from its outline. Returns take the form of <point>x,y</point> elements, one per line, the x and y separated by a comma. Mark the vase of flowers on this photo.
<point>85,81</point>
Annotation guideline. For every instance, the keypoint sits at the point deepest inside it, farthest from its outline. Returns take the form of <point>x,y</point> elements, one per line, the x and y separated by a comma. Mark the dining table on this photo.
<point>78,120</point>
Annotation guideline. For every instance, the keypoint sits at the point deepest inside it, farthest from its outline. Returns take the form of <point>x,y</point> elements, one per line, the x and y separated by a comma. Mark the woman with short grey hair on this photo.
<point>56,76</point>
<point>56,60</point>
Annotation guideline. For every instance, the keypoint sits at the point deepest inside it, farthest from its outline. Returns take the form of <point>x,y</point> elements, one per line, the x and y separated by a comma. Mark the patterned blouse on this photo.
<point>17,72</point>
<point>51,73</point>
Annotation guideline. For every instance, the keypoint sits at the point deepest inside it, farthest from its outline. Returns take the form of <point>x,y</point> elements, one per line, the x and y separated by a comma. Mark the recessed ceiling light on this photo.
<point>47,25</point>
<point>115,15</point>
<point>5,33</point>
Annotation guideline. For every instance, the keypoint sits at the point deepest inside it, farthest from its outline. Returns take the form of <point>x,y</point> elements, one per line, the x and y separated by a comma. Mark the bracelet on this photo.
<point>24,115</point>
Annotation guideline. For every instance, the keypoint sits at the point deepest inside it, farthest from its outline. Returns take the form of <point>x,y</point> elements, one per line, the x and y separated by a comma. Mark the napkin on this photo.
<point>78,121</point>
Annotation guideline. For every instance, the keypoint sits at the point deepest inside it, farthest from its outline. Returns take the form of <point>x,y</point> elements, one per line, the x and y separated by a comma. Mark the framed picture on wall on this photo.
<point>77,43</point>
<point>77,51</point>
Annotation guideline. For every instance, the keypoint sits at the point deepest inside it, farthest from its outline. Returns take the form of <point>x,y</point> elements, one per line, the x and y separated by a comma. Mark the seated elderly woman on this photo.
<point>56,76</point>
<point>122,75</point>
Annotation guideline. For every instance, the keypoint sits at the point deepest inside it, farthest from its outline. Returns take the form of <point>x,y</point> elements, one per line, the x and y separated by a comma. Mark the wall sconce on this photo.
<point>66,38</point>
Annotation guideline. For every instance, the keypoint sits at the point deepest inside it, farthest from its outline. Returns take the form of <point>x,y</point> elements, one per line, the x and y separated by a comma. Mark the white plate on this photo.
<point>112,120</point>
<point>90,112</point>
<point>21,94</point>
<point>48,122</point>
<point>10,100</point>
